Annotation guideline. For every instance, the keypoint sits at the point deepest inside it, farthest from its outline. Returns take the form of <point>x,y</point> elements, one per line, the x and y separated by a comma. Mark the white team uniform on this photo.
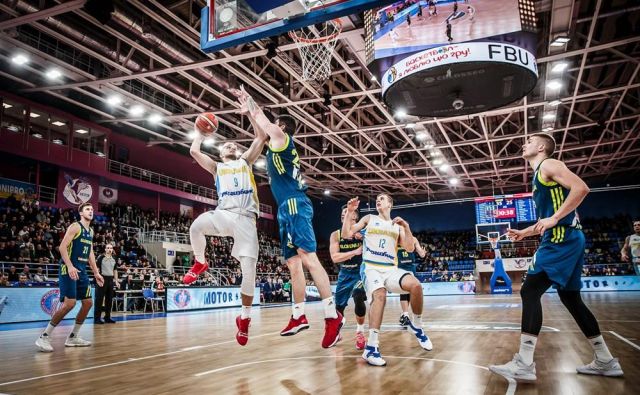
<point>380,256</point>
<point>238,208</point>
<point>634,246</point>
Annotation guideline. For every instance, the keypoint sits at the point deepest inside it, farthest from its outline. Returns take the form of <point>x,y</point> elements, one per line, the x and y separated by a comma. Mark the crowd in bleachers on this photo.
<point>30,234</point>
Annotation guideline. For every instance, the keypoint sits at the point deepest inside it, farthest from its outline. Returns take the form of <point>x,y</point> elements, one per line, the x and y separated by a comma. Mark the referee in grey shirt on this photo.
<point>106,264</point>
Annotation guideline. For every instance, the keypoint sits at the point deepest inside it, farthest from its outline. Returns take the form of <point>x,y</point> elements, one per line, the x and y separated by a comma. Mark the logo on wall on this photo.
<point>50,302</point>
<point>520,263</point>
<point>393,73</point>
<point>77,190</point>
<point>182,298</point>
<point>107,195</point>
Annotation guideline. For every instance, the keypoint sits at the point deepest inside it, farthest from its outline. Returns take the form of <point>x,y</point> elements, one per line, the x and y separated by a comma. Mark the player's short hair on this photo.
<point>83,205</point>
<point>344,207</point>
<point>549,142</point>
<point>636,221</point>
<point>288,121</point>
<point>388,197</point>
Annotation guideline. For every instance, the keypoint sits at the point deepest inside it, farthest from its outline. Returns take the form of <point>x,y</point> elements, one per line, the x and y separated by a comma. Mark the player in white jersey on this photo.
<point>381,241</point>
<point>235,216</point>
<point>632,244</point>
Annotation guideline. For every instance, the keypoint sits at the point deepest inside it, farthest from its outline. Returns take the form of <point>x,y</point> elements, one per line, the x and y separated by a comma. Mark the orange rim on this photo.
<point>297,38</point>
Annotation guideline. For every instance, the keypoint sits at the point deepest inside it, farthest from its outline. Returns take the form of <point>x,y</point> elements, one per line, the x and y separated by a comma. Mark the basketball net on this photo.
<point>316,44</point>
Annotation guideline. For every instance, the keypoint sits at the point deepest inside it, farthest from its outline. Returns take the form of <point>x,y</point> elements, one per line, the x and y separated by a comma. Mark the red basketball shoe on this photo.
<point>332,328</point>
<point>295,326</point>
<point>242,336</point>
<point>193,273</point>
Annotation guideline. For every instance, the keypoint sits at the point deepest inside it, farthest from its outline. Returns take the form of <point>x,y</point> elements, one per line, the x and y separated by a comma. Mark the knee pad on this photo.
<point>248,267</point>
<point>359,299</point>
<point>405,297</point>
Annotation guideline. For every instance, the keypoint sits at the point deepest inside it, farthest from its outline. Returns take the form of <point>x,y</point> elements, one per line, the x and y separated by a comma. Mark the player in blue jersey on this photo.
<point>348,253</point>
<point>407,261</point>
<point>295,214</point>
<point>557,193</point>
<point>76,250</point>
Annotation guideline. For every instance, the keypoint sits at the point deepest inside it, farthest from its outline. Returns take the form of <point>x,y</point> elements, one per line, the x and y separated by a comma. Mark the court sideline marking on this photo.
<point>511,389</point>
<point>624,339</point>
<point>128,360</point>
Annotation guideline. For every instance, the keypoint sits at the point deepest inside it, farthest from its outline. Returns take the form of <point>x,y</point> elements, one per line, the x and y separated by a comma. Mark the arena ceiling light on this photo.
<point>421,136</point>
<point>411,125</point>
<point>57,141</point>
<point>444,167</point>
<point>437,162</point>
<point>136,110</point>
<point>193,135</point>
<point>547,129</point>
<point>374,78</point>
<point>327,192</point>
<point>34,115</point>
<point>559,67</point>
<point>400,113</point>
<point>114,100</point>
<point>53,74</point>
<point>6,105</point>
<point>155,118</point>
<point>209,142</point>
<point>20,59</point>
<point>100,154</point>
<point>58,123</point>
<point>37,135</point>
<point>549,116</point>
<point>82,131</point>
<point>554,84</point>
<point>261,163</point>
<point>454,181</point>
<point>555,103</point>
<point>560,41</point>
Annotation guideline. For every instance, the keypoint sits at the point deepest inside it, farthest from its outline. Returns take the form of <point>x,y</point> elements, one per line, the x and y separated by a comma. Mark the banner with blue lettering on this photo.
<point>20,189</point>
<point>608,283</point>
<point>26,304</point>
<point>196,298</point>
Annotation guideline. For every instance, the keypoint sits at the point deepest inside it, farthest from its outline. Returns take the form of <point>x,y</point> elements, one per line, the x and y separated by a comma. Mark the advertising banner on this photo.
<point>20,189</point>
<point>75,188</point>
<point>608,283</point>
<point>510,264</point>
<point>26,304</point>
<point>196,298</point>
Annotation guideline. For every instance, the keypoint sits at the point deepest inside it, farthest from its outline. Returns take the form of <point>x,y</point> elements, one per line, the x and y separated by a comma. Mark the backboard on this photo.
<point>228,23</point>
<point>485,231</point>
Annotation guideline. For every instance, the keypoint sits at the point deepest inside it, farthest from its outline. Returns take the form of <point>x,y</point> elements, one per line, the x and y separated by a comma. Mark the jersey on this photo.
<point>347,245</point>
<point>283,168</point>
<point>237,190</point>
<point>79,249</point>
<point>406,259</point>
<point>548,197</point>
<point>634,246</point>
<point>380,244</point>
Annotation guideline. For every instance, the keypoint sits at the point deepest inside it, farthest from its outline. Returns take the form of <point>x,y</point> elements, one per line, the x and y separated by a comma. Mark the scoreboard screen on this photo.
<point>506,208</point>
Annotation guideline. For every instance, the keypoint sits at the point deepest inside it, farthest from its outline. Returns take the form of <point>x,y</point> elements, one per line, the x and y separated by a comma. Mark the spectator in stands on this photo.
<point>13,274</point>
<point>39,276</point>
<point>4,280</point>
<point>23,281</point>
<point>27,272</point>
<point>158,286</point>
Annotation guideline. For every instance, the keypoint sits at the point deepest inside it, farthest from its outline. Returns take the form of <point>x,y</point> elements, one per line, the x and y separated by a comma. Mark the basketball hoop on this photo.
<point>316,44</point>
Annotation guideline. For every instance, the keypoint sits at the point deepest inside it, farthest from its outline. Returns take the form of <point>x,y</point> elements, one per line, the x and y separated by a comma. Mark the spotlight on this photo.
<point>327,192</point>
<point>58,123</point>
<point>208,142</point>
<point>136,110</point>
<point>6,105</point>
<point>20,59</point>
<point>444,167</point>
<point>82,131</point>
<point>454,181</point>
<point>374,78</point>
<point>100,154</point>
<point>400,113</point>
<point>554,84</point>
<point>261,163</point>
<point>411,125</point>
<point>114,100</point>
<point>560,41</point>
<point>559,67</point>
<point>547,129</point>
<point>57,141</point>
<point>53,74</point>
<point>421,136</point>
<point>34,115</point>
<point>37,135</point>
<point>437,162</point>
<point>549,116</point>
<point>155,118</point>
<point>555,103</point>
<point>350,61</point>
<point>193,135</point>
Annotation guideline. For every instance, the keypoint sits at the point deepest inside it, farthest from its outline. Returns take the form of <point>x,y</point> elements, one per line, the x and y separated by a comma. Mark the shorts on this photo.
<point>410,268</point>
<point>239,226</point>
<point>389,279</point>
<point>74,289</point>
<point>347,281</point>
<point>295,216</point>
<point>562,261</point>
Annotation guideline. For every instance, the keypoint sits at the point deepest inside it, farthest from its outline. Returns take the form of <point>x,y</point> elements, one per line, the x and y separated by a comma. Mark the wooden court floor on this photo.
<point>197,353</point>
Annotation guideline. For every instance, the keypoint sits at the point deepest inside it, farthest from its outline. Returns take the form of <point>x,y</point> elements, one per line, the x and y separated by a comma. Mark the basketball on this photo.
<point>206,123</point>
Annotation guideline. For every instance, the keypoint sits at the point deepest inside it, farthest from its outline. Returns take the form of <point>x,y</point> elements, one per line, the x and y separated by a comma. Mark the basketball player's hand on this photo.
<point>400,221</point>
<point>357,251</point>
<point>544,224</point>
<point>72,272</point>
<point>515,234</point>
<point>99,279</point>
<point>624,257</point>
<point>352,204</point>
<point>357,236</point>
